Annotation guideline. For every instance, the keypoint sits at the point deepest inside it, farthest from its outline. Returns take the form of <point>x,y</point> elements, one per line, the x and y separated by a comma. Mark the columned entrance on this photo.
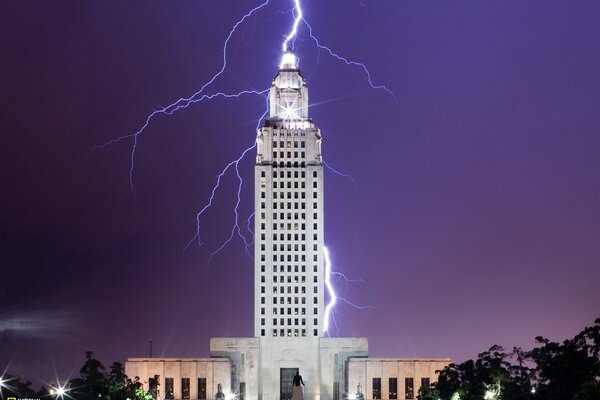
<point>286,380</point>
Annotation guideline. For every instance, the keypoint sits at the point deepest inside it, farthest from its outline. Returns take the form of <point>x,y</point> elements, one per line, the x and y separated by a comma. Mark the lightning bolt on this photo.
<point>335,171</point>
<point>298,17</point>
<point>332,295</point>
<point>329,315</point>
<point>234,165</point>
<point>346,61</point>
<point>184,102</point>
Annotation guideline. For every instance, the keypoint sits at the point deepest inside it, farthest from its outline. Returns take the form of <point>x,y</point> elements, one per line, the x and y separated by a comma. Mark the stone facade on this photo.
<point>200,373</point>
<point>290,324</point>
<point>409,373</point>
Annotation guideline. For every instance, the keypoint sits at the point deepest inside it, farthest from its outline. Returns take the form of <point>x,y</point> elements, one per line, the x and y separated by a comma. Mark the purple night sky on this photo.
<point>474,220</point>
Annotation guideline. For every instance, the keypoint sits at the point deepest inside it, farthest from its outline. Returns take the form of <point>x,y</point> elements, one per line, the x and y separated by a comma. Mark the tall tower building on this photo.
<point>289,274</point>
<point>288,227</point>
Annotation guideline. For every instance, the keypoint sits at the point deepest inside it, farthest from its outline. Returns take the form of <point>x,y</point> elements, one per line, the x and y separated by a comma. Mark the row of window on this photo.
<point>290,290</point>
<point>289,174</point>
<point>289,144</point>
<point>282,290</point>
<point>289,257</point>
<point>290,278</point>
<point>154,388</point>
<point>296,216</point>
<point>287,184</point>
<point>283,154</point>
<point>290,332</point>
<point>290,237</point>
<point>289,206</point>
<point>289,164</point>
<point>296,279</point>
<point>409,389</point>
<point>283,247</point>
<point>289,269</point>
<point>290,300</point>
<point>185,389</point>
<point>294,300</point>
<point>288,248</point>
<point>281,194</point>
<point>282,258</point>
<point>290,195</point>
<point>289,311</point>
<point>290,321</point>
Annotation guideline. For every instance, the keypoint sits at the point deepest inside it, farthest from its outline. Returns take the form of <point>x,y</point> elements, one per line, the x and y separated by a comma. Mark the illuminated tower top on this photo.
<point>289,94</point>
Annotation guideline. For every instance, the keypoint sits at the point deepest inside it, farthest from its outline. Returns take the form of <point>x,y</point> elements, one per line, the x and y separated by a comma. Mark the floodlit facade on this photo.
<point>289,295</point>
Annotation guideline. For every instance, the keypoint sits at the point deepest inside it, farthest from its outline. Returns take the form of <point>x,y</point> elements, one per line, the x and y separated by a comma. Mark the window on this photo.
<point>409,388</point>
<point>376,388</point>
<point>153,386</point>
<point>424,382</point>
<point>242,395</point>
<point>336,391</point>
<point>393,385</point>
<point>169,388</point>
<point>185,388</point>
<point>201,388</point>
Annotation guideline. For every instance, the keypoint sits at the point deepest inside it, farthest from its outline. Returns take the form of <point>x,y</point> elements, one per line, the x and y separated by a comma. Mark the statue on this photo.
<point>297,389</point>
<point>359,393</point>
<point>220,395</point>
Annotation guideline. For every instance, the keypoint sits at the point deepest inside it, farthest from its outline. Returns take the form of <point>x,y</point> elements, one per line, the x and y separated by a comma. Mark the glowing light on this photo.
<point>59,391</point>
<point>332,295</point>
<point>455,396</point>
<point>489,395</point>
<point>299,17</point>
<point>230,396</point>
<point>351,397</point>
<point>289,111</point>
<point>533,390</point>
<point>288,61</point>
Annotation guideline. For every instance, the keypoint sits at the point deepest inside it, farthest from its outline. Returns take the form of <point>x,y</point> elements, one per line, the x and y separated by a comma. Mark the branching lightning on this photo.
<point>335,171</point>
<point>184,102</point>
<point>200,96</point>
<point>345,60</point>
<point>334,298</point>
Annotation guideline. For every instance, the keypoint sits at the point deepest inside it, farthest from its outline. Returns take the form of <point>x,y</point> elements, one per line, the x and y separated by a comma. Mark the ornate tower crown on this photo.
<point>289,93</point>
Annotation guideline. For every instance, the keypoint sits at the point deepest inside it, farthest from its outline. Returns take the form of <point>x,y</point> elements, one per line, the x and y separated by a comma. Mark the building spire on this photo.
<point>288,60</point>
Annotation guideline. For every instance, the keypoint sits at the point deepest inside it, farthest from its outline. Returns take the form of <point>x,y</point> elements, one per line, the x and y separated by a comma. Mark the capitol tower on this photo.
<point>288,199</point>
<point>290,327</point>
